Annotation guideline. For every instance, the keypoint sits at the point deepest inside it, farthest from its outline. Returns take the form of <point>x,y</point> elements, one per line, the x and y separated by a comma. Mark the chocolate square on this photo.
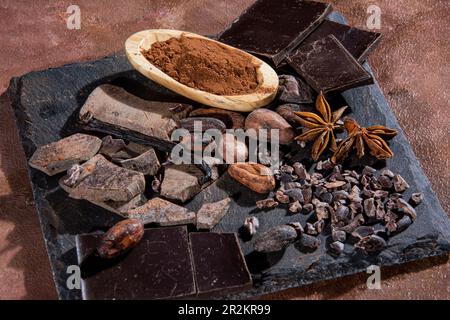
<point>358,42</point>
<point>219,264</point>
<point>159,267</point>
<point>271,29</point>
<point>327,66</point>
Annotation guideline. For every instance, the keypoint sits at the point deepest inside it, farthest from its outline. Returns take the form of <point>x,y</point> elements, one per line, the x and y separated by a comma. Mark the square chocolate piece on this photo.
<point>271,29</point>
<point>159,267</point>
<point>219,264</point>
<point>327,66</point>
<point>358,42</point>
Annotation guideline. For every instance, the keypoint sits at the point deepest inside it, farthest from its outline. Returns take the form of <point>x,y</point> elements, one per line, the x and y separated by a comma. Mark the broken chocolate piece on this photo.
<point>275,239</point>
<point>101,180</point>
<point>159,267</point>
<point>110,146</point>
<point>120,238</point>
<point>146,163</point>
<point>327,66</point>
<point>210,214</point>
<point>115,106</point>
<point>262,29</point>
<point>162,212</point>
<point>219,264</point>
<point>59,156</point>
<point>181,182</point>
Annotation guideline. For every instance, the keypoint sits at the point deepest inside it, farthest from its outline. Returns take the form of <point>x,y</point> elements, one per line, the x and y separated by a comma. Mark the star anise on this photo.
<point>359,137</point>
<point>320,129</point>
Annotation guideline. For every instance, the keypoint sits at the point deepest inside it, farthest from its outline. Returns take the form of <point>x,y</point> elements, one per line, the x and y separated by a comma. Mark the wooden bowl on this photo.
<point>263,95</point>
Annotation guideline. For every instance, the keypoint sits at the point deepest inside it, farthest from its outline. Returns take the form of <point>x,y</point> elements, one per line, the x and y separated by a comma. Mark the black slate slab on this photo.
<point>46,103</point>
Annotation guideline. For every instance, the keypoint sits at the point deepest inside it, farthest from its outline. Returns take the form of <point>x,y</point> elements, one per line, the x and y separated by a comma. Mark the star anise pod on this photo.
<point>320,127</point>
<point>359,137</point>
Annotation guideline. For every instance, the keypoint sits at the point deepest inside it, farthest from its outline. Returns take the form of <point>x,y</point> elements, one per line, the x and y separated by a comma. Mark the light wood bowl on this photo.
<point>263,95</point>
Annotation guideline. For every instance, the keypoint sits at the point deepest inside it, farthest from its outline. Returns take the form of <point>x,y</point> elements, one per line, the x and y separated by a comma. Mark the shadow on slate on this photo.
<point>46,103</point>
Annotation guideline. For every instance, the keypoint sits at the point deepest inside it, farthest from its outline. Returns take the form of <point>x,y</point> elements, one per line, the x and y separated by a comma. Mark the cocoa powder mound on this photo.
<point>204,65</point>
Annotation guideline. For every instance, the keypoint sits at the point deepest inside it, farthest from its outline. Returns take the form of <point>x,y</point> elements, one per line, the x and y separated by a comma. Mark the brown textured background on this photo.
<point>411,64</point>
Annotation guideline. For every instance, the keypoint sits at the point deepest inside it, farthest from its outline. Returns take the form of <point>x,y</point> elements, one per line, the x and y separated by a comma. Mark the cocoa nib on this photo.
<point>251,224</point>
<point>120,238</point>
<point>266,204</point>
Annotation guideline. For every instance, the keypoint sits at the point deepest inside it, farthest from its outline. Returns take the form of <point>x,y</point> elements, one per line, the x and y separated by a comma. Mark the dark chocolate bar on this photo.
<point>358,42</point>
<point>327,66</point>
<point>159,267</point>
<point>272,29</point>
<point>219,264</point>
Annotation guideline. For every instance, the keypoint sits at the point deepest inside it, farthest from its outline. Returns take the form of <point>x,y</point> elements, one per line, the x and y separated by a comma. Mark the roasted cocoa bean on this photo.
<point>254,176</point>
<point>123,236</point>
<point>268,119</point>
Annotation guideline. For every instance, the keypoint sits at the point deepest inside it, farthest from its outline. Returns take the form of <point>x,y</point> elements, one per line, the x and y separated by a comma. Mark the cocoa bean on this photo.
<point>268,119</point>
<point>123,236</point>
<point>254,176</point>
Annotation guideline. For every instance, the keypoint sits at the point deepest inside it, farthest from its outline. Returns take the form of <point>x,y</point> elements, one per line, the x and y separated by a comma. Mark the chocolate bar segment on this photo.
<point>327,66</point>
<point>272,29</point>
<point>219,264</point>
<point>358,42</point>
<point>159,267</point>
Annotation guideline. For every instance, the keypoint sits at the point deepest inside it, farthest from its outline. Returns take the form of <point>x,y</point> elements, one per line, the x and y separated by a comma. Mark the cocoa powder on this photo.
<point>204,65</point>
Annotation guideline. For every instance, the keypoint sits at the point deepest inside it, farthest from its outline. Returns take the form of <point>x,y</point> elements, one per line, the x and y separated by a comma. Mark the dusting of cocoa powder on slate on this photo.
<point>204,65</point>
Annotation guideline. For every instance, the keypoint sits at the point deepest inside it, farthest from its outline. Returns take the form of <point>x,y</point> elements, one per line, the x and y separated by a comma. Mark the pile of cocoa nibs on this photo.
<point>362,208</point>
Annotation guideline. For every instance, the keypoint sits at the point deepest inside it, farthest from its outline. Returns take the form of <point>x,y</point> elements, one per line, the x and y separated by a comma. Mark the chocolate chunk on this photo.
<point>271,29</point>
<point>115,106</point>
<point>181,182</point>
<point>162,212</point>
<point>219,264</point>
<point>59,156</point>
<point>159,267</point>
<point>211,213</point>
<point>327,66</point>
<point>359,43</point>
<point>147,163</point>
<point>100,180</point>
<point>110,146</point>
